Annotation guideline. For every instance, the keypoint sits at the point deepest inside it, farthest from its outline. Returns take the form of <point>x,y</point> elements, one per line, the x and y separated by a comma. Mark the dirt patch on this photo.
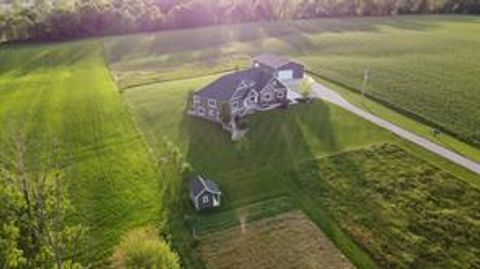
<point>288,240</point>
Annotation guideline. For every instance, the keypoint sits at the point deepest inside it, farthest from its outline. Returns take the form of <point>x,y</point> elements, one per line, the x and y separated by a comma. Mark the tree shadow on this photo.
<point>29,59</point>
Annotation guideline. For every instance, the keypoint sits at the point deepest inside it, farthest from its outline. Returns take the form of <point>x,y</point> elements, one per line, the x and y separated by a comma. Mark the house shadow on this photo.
<point>277,143</point>
<point>281,149</point>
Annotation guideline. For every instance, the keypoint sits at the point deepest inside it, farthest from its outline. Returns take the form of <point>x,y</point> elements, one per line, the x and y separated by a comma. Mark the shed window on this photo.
<point>205,199</point>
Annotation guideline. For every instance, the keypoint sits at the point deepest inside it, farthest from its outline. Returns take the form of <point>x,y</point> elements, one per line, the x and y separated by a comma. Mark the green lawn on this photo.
<point>257,168</point>
<point>64,93</point>
<point>262,166</point>
<point>278,138</point>
<point>427,65</point>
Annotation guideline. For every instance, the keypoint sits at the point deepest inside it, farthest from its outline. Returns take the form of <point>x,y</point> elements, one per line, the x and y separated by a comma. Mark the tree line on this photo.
<point>47,20</point>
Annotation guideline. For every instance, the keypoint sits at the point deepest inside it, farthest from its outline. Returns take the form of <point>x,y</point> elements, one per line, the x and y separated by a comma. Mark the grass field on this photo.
<point>288,240</point>
<point>63,93</point>
<point>404,211</point>
<point>255,169</point>
<point>277,149</point>
<point>427,65</point>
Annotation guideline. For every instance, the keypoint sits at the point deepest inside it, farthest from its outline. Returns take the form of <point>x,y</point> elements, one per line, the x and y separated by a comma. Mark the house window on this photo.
<point>280,94</point>
<point>268,96</point>
<point>205,199</point>
<point>235,105</point>
<point>196,99</point>
<point>201,110</point>
<point>212,103</point>
<point>212,113</point>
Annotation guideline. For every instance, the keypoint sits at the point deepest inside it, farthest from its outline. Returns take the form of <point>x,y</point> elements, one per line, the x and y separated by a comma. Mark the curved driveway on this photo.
<point>331,96</point>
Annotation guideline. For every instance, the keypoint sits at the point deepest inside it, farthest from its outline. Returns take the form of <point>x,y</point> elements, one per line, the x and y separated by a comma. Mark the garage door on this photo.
<point>285,74</point>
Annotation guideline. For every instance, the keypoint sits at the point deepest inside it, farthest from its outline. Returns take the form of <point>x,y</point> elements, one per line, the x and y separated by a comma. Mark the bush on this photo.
<point>143,248</point>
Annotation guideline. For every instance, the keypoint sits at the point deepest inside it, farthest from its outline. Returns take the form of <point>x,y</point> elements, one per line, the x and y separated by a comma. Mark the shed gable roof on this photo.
<point>224,87</point>
<point>199,185</point>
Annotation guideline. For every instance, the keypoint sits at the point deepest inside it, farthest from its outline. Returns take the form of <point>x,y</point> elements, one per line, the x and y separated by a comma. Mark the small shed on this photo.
<point>281,68</point>
<point>204,193</point>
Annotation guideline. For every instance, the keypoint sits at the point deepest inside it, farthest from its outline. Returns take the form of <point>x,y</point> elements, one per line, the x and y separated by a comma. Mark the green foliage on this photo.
<point>305,88</point>
<point>142,248</point>
<point>225,113</point>
<point>35,206</point>
<point>64,20</point>
<point>173,167</point>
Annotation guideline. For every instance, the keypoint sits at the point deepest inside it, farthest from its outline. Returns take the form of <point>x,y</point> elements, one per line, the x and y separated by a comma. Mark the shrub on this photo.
<point>225,113</point>
<point>143,248</point>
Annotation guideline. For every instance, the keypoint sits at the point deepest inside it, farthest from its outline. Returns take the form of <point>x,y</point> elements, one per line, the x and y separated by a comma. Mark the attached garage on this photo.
<point>285,74</point>
<point>281,68</point>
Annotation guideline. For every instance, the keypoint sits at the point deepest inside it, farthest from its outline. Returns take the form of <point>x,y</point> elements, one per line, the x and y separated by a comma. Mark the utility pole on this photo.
<point>364,84</point>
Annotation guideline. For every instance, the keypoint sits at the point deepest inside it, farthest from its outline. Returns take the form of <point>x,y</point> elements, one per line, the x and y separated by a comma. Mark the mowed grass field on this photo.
<point>426,65</point>
<point>63,94</point>
<point>278,152</point>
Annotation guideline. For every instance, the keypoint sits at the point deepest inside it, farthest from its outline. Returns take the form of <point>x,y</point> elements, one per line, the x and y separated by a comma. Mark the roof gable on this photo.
<point>225,87</point>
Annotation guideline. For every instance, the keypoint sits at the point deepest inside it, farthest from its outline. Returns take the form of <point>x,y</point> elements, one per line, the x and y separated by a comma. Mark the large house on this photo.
<point>255,89</point>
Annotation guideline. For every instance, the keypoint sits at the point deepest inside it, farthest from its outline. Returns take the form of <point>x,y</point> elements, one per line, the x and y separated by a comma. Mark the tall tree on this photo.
<point>34,209</point>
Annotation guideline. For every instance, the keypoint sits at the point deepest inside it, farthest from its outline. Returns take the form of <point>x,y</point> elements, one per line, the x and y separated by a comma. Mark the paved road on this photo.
<point>331,96</point>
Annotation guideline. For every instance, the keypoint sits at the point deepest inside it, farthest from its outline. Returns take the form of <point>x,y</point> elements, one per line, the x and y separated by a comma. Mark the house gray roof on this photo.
<point>199,184</point>
<point>271,60</point>
<point>224,87</point>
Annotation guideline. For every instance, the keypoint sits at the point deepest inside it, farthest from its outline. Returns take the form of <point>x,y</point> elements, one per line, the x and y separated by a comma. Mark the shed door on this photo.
<point>285,74</point>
